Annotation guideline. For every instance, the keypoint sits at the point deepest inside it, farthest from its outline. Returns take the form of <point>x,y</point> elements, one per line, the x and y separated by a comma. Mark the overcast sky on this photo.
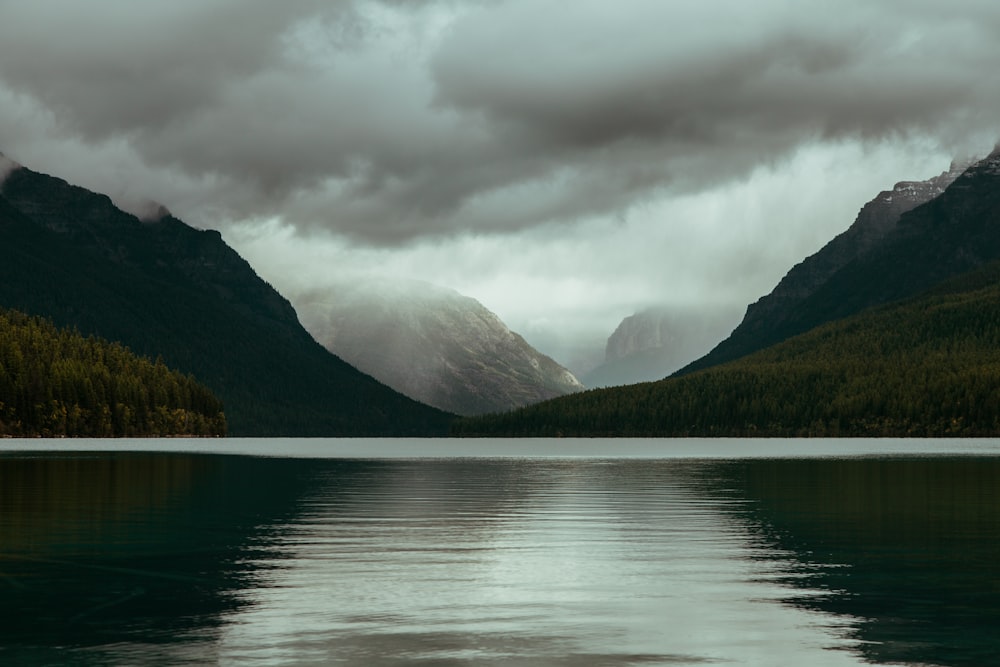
<point>563,162</point>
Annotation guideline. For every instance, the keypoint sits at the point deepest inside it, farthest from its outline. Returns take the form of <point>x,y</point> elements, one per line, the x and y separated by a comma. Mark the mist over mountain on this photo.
<point>166,289</point>
<point>655,342</point>
<point>821,287</point>
<point>434,345</point>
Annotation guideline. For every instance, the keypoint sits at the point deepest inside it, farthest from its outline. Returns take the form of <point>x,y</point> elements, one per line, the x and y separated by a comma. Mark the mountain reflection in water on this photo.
<point>909,545</point>
<point>163,558</point>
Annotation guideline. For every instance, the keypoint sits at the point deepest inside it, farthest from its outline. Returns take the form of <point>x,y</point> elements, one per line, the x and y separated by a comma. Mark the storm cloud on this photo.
<point>390,121</point>
<point>424,127</point>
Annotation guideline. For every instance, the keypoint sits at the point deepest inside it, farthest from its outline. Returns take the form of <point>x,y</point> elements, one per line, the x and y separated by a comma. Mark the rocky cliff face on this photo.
<point>642,331</point>
<point>434,345</point>
<point>875,220</point>
<point>901,242</point>
<point>655,342</point>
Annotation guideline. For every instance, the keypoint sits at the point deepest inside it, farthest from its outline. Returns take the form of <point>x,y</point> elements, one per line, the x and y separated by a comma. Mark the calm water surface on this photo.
<point>535,553</point>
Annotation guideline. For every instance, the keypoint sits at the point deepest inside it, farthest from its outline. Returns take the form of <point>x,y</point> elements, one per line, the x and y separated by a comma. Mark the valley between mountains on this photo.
<point>891,329</point>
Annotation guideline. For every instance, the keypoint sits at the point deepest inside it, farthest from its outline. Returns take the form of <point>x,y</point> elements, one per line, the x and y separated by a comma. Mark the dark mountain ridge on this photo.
<point>166,289</point>
<point>897,247</point>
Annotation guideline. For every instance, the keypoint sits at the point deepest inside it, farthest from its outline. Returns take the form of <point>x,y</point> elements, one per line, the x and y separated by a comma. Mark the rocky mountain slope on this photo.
<point>166,289</point>
<point>434,345</point>
<point>655,342</point>
<point>880,225</point>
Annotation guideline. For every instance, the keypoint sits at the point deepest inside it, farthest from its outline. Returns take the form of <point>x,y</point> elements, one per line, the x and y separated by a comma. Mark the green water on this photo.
<point>587,553</point>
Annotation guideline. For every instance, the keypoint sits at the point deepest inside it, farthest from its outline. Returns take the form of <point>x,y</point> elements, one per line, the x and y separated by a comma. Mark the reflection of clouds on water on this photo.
<point>542,562</point>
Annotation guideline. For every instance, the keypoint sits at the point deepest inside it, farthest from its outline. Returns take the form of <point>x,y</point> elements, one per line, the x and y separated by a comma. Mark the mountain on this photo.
<point>655,342</point>
<point>899,338</point>
<point>779,314</point>
<point>434,345</point>
<point>166,289</point>
<point>922,367</point>
<point>55,383</point>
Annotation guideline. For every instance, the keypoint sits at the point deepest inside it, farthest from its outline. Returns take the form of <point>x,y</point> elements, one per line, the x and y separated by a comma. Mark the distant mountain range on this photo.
<point>890,329</point>
<point>434,345</point>
<point>653,343</point>
<point>168,290</point>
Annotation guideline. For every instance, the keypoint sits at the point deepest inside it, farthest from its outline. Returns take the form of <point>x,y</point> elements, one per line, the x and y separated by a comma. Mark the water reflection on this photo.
<point>525,562</point>
<point>107,555</point>
<point>910,545</point>
<point>194,559</point>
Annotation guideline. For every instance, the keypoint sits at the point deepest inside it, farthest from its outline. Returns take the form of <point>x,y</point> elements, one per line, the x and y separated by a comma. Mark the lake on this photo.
<point>492,552</point>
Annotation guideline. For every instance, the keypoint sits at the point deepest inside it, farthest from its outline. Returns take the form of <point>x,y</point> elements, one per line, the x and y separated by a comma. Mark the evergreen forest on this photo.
<point>54,383</point>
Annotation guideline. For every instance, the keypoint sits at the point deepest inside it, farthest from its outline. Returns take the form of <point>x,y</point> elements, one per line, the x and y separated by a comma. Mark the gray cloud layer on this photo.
<point>390,121</point>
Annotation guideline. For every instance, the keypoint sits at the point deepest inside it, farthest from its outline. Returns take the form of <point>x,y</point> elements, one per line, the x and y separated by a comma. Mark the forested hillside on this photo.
<point>927,367</point>
<point>54,382</point>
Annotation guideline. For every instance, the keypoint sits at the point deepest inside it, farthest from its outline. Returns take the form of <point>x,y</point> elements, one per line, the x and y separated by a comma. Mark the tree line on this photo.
<point>55,382</point>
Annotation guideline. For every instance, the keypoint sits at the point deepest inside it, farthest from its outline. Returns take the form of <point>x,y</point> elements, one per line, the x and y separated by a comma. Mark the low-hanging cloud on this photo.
<point>7,166</point>
<point>387,122</point>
